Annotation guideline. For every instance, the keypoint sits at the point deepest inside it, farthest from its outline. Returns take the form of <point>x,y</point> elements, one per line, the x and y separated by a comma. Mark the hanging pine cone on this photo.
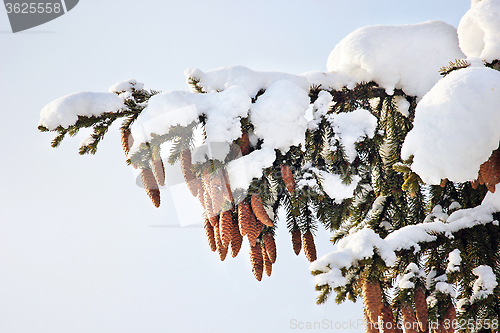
<point>255,230</point>
<point>209,231</point>
<point>270,246</point>
<point>227,194</point>
<point>201,198</point>
<point>191,181</point>
<point>127,141</point>
<point>372,299</point>
<point>268,266</point>
<point>388,323</point>
<point>158,169</point>
<point>244,143</point>
<point>287,175</point>
<point>369,326</point>
<point>439,328</point>
<point>218,242</point>
<point>259,210</point>
<point>409,320</point>
<point>150,185</point>
<point>309,246</point>
<point>421,310</point>
<point>296,241</point>
<point>226,226</point>
<point>216,192</point>
<point>489,171</point>
<point>236,240</point>
<point>450,317</point>
<point>257,261</point>
<point>245,216</point>
<point>208,205</point>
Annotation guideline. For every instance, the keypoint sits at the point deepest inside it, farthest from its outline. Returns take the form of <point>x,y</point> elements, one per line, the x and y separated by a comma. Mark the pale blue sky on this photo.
<point>77,253</point>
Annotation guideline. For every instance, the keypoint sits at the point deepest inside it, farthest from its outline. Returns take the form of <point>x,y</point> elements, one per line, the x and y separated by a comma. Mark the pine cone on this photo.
<point>259,210</point>
<point>270,246</point>
<point>489,171</point>
<point>227,194</point>
<point>127,141</point>
<point>309,246</point>
<point>150,185</point>
<point>244,143</point>
<point>255,230</point>
<point>439,329</point>
<point>257,261</point>
<point>369,326</point>
<point>409,320</point>
<point>186,167</point>
<point>450,317</point>
<point>159,170</point>
<point>245,217</point>
<point>226,226</point>
<point>209,231</point>
<point>388,323</point>
<point>372,299</point>
<point>421,310</point>
<point>296,241</point>
<point>287,175</point>
<point>268,266</point>
<point>218,242</point>
<point>236,240</point>
<point>208,205</point>
<point>216,192</point>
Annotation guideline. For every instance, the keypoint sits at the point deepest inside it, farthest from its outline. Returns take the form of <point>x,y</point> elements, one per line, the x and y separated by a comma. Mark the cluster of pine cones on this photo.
<point>378,313</point>
<point>227,222</point>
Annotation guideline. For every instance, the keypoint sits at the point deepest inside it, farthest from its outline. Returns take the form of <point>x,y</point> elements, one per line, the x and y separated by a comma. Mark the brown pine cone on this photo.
<point>270,246</point>
<point>151,187</point>
<point>440,327</point>
<point>216,192</point>
<point>227,194</point>
<point>287,175</point>
<point>159,170</point>
<point>489,171</point>
<point>127,140</point>
<point>236,239</point>
<point>209,231</point>
<point>218,242</point>
<point>450,317</point>
<point>296,241</point>
<point>244,143</point>
<point>268,266</point>
<point>388,323</point>
<point>372,299</point>
<point>226,223</point>
<point>257,261</point>
<point>255,230</point>
<point>189,177</point>
<point>369,326</point>
<point>409,320</point>
<point>208,205</point>
<point>259,210</point>
<point>309,246</point>
<point>421,310</point>
<point>244,218</point>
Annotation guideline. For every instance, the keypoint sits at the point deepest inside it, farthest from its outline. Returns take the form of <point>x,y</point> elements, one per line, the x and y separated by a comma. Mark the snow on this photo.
<point>446,288</point>
<point>334,186</point>
<point>352,127</point>
<point>479,30</point>
<point>406,57</point>
<point>461,106</point>
<point>64,111</point>
<point>405,282</point>
<point>279,115</point>
<point>485,283</point>
<point>454,261</point>
<point>361,244</point>
<point>126,86</point>
<point>242,170</point>
<point>320,108</point>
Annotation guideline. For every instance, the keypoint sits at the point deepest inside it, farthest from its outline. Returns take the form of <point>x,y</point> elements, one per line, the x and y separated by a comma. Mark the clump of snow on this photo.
<point>126,86</point>
<point>402,105</point>
<point>485,283</point>
<point>279,115</point>
<point>479,30</point>
<point>252,81</point>
<point>328,80</point>
<point>335,188</point>
<point>64,111</point>
<point>242,170</point>
<point>320,108</point>
<point>352,127</point>
<point>456,126</point>
<point>446,288</point>
<point>411,271</point>
<point>406,57</point>
<point>454,261</point>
